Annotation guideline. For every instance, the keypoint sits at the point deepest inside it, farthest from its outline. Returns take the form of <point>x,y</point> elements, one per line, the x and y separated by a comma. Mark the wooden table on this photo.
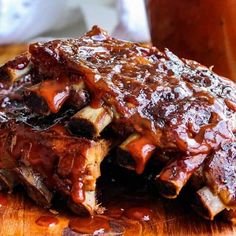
<point>10,51</point>
<point>19,214</point>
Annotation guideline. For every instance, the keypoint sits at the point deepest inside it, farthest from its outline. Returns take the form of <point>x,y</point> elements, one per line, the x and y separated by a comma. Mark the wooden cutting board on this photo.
<point>18,214</point>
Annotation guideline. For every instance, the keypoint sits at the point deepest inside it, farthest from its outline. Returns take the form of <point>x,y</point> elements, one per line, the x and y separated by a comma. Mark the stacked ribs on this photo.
<point>59,102</point>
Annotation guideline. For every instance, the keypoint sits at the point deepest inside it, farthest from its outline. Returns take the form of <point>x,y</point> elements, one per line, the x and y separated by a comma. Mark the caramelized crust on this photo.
<point>179,103</point>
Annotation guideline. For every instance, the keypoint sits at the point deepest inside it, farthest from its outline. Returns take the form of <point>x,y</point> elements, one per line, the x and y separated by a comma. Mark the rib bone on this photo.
<point>135,152</point>
<point>89,122</point>
<point>176,174</point>
<point>208,204</point>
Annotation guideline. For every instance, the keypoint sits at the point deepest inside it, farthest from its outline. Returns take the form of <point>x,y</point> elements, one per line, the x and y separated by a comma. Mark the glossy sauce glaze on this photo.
<point>143,154</point>
<point>125,224</point>
<point>56,95</point>
<point>91,225</point>
<point>178,104</point>
<point>44,149</point>
<point>139,213</point>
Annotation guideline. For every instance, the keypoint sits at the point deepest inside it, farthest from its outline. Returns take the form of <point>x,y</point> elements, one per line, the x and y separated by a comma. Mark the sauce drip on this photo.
<point>47,221</point>
<point>141,150</point>
<point>169,99</point>
<point>56,95</point>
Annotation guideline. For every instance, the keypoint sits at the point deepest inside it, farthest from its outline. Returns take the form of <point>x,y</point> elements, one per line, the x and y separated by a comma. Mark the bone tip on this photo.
<point>167,189</point>
<point>200,208</point>
<point>80,209</point>
<point>82,128</point>
<point>124,159</point>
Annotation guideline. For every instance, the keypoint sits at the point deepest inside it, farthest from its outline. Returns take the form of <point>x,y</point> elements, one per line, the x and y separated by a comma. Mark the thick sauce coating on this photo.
<point>58,158</point>
<point>179,103</point>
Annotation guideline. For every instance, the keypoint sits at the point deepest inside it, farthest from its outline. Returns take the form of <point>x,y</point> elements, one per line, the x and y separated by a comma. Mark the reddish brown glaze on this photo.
<point>47,221</point>
<point>220,173</point>
<point>177,172</point>
<point>174,104</point>
<point>171,100</point>
<point>43,151</point>
<point>3,200</point>
<point>139,213</point>
<point>56,95</point>
<point>141,150</point>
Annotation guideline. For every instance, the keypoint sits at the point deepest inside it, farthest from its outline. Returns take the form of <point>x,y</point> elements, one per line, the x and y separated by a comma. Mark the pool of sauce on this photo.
<point>128,209</point>
<point>47,221</point>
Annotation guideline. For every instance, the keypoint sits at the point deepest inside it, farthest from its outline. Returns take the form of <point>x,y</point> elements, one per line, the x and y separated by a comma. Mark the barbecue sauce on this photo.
<point>141,150</point>
<point>91,225</point>
<point>139,213</point>
<point>56,95</point>
<point>167,99</point>
<point>44,149</point>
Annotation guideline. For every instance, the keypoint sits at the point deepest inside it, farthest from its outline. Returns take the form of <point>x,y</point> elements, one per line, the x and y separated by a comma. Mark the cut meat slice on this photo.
<point>34,185</point>
<point>53,161</point>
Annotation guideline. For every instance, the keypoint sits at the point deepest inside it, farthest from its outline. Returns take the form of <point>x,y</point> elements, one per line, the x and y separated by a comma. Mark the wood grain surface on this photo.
<point>19,217</point>
<point>19,214</point>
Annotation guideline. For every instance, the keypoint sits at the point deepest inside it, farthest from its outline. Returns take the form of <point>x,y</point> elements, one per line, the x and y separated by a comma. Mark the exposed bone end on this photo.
<point>168,185</point>
<point>7,180</point>
<point>89,122</point>
<point>135,152</point>
<point>16,74</point>
<point>94,156</point>
<point>50,94</point>
<point>34,185</point>
<point>176,174</point>
<point>167,189</point>
<point>207,204</point>
<point>86,208</point>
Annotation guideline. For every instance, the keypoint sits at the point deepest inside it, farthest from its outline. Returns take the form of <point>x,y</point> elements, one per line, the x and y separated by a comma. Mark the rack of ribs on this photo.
<point>60,99</point>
